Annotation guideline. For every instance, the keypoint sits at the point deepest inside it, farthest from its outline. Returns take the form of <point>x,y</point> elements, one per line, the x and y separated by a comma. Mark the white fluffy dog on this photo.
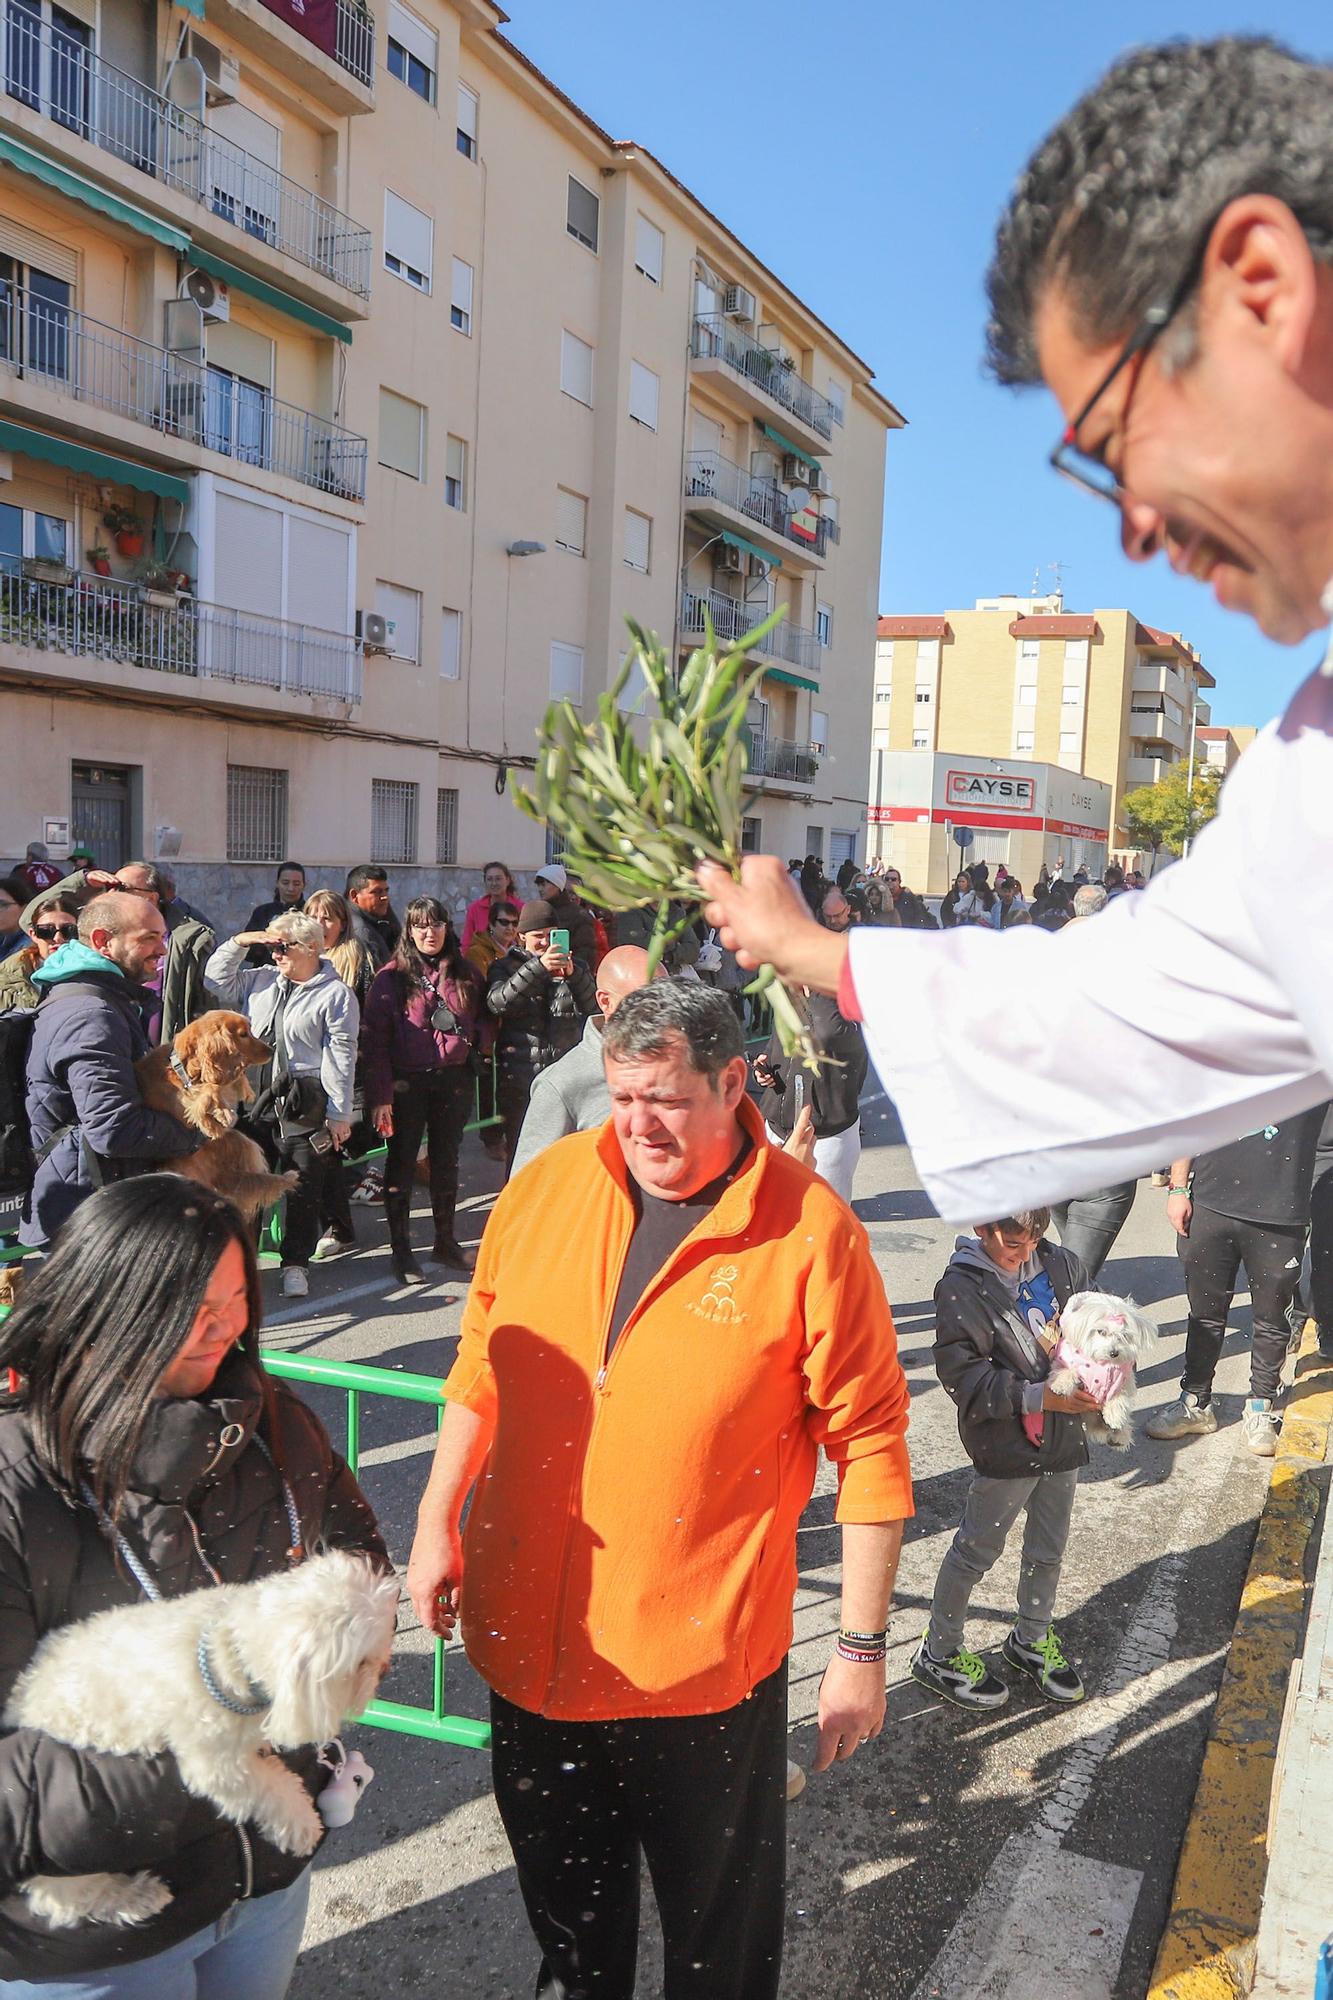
<point>296,1653</point>
<point>1102,1340</point>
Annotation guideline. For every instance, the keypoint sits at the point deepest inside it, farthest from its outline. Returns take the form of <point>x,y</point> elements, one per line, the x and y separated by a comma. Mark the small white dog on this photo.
<point>1102,1340</point>
<point>220,1678</point>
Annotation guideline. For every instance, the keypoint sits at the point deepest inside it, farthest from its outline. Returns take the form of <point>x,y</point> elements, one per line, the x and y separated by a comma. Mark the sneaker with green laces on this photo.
<point>964,1678</point>
<point>1045,1664</point>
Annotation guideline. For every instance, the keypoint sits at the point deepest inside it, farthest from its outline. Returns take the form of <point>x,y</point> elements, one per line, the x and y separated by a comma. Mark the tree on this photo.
<point>1169,813</point>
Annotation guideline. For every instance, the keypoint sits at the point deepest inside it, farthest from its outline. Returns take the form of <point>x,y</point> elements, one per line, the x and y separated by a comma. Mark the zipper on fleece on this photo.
<point>247,1865</point>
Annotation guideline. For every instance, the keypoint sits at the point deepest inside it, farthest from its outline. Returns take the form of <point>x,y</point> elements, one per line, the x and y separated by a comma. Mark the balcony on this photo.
<point>49,72</point>
<point>354,42</point>
<point>1146,770</point>
<point>1149,724</point>
<point>47,346</point>
<point>117,623</point>
<point>341,78</point>
<point>717,487</point>
<point>788,763</point>
<point>732,620</point>
<point>766,383</point>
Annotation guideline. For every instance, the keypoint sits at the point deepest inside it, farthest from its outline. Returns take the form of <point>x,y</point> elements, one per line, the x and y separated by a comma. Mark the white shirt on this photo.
<point>1040,1066</point>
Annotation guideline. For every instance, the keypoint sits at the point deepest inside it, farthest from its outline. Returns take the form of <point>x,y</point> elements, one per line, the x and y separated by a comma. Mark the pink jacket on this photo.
<point>1102,1379</point>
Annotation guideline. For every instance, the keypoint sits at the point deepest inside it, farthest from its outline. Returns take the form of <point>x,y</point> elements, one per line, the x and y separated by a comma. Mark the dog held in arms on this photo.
<point>1102,1340</point>
<point>295,1653</point>
<point>201,1080</point>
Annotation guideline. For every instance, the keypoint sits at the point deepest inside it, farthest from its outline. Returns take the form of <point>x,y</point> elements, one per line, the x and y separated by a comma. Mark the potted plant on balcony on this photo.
<point>98,560</point>
<point>127,529</point>
<point>160,586</point>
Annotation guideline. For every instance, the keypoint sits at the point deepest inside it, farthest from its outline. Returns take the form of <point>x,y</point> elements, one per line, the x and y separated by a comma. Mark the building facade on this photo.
<point>354,385</point>
<point>932,813</point>
<point>1218,749</point>
<point>1099,694</point>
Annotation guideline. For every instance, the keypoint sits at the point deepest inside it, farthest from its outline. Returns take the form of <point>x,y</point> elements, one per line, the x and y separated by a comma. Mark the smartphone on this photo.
<point>798,1086</point>
<point>322,1140</point>
<point>560,942</point>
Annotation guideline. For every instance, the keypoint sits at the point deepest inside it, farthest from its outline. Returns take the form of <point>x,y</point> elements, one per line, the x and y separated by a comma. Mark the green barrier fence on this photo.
<point>355,1380</point>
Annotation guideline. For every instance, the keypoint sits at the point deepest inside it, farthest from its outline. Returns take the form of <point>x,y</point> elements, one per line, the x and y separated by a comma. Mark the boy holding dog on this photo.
<point>1004,1288</point>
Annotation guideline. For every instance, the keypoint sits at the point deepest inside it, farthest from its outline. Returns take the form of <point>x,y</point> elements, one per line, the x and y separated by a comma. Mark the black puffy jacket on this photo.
<point>834,1092</point>
<point>541,1018</point>
<point>66,1811</point>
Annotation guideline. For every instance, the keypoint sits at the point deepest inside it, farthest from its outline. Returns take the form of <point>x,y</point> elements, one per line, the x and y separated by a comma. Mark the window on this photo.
<point>1068,740</point>
<point>566,672</point>
<point>408,236</point>
<point>643,394</point>
<point>924,695</point>
<point>243,174</point>
<point>581,213</point>
<point>393,820</point>
<point>638,540</point>
<point>236,416</point>
<point>25,533</point>
<point>1023,741</point>
<point>814,841</point>
<point>576,367</point>
<point>414,52</point>
<point>446,826</point>
<point>460,297</point>
<point>752,832</point>
<point>455,474</point>
<point>451,644</point>
<point>1076,652</point>
<point>1027,694</point>
<point>48,66</point>
<point>649,245</point>
<point>883,693</point>
<point>837,398</point>
<point>402,434</point>
<point>884,654</point>
<point>256,813</point>
<point>468,107</point>
<point>571,522</point>
<point>879,739</point>
<point>824,624</point>
<point>920,739</point>
<point>1029,650</point>
<point>818,730</point>
<point>402,608</point>
<point>927,661</point>
<point>1071,697</point>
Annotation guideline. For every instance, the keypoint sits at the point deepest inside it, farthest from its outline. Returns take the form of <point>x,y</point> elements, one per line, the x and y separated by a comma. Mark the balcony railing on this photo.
<point>708,476</point>
<point>775,757</point>
<point>732,620</point>
<point>717,338</point>
<point>49,346</point>
<point>94,617</point>
<point>50,71</point>
<point>354,41</point>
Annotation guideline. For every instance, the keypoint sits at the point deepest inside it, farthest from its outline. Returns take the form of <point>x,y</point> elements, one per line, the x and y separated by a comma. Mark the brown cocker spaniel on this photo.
<point>201,1080</point>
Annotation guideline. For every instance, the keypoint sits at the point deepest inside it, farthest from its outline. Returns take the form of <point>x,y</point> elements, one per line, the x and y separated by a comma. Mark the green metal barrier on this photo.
<point>355,1379</point>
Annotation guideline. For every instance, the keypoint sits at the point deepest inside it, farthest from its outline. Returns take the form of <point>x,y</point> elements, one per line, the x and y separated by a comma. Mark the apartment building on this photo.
<point>1218,749</point>
<point>1098,694</point>
<point>354,385</point>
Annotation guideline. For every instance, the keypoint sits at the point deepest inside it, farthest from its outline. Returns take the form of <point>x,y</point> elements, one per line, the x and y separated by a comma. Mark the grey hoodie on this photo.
<point>320,1025</point>
<point>570,1096</point>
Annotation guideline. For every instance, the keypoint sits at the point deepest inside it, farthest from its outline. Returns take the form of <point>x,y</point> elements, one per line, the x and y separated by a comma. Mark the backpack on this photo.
<point>17,1164</point>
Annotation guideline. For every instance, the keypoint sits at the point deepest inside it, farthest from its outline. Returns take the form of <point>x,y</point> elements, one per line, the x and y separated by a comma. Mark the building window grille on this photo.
<point>393,820</point>
<point>256,813</point>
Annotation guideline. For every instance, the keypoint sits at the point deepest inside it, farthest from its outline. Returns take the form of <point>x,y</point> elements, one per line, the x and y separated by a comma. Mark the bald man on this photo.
<point>571,1096</point>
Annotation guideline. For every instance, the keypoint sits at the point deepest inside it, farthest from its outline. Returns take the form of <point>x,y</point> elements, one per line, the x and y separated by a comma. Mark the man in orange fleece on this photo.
<point>641,1414</point>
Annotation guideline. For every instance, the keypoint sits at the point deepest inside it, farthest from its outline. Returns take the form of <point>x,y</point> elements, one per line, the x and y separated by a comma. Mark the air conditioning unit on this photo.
<point>222,73</point>
<point>210,294</point>
<point>737,303</point>
<point>183,408</point>
<point>374,631</point>
<point>757,567</point>
<point>817,479</point>
<point>726,560</point>
<point>796,472</point>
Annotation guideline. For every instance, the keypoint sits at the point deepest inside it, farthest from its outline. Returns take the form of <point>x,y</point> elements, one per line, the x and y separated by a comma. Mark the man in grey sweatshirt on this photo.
<point>571,1095</point>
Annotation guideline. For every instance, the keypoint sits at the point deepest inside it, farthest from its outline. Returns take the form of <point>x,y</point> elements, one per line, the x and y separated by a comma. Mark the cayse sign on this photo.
<point>981,789</point>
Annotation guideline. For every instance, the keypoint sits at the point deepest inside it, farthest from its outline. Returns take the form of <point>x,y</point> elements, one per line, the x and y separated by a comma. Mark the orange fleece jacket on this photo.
<point>631,1547</point>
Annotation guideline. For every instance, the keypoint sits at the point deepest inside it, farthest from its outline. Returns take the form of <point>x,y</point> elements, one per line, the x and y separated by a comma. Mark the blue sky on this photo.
<point>917,120</point>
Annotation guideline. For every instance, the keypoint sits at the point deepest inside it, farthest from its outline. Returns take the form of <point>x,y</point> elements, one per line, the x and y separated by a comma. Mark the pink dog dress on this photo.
<point>1102,1379</point>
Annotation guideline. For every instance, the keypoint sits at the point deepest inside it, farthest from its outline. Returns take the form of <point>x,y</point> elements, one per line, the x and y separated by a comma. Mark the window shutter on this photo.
<point>649,244</point>
<point>247,572</point>
<point>638,540</point>
<point>581,213</point>
<point>566,672</point>
<point>576,367</point>
<point>401,434</point>
<point>571,521</point>
<point>241,351</point>
<point>468,106</point>
<point>819,728</point>
<point>403,607</point>
<point>643,394</point>
<point>39,252</point>
<point>318,563</point>
<point>461,294</point>
<point>408,233</point>
<point>415,36</point>
<point>451,644</point>
<point>455,471</point>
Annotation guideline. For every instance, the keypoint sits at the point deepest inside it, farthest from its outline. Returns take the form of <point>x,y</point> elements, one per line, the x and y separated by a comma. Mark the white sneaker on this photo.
<point>1260,1424</point>
<point>795,1781</point>
<point>295,1284</point>
<point>1186,1417</point>
<point>331,1245</point>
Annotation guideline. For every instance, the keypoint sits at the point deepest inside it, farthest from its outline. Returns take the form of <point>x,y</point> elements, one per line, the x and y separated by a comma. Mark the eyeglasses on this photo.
<point>282,950</point>
<point>62,931</point>
<point>1083,468</point>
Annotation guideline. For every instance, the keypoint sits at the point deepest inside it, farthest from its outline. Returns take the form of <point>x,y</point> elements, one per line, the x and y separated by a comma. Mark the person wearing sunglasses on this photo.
<point>54,924</point>
<point>13,896</point>
<point>1165,267</point>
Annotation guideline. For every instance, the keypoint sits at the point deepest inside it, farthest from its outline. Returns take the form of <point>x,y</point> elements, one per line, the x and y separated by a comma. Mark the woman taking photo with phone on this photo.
<point>416,1045</point>
<point>303,1114</point>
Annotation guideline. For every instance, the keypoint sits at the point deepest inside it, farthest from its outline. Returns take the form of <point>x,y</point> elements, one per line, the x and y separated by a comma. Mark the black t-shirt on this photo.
<point>1264,1177</point>
<point>660,1227</point>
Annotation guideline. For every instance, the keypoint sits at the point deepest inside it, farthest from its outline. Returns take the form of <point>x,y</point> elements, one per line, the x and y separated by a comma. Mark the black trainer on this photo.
<point>964,1678</point>
<point>1045,1664</point>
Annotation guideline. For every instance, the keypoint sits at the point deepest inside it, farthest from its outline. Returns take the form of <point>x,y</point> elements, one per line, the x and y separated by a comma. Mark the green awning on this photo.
<point>195,7</point>
<point>785,444</point>
<point>750,548</point>
<point>789,680</point>
<point>283,302</point>
<point>29,161</point>
<point>99,465</point>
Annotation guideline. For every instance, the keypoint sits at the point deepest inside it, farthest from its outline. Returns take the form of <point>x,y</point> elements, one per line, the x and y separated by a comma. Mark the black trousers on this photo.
<point>701,1797</point>
<point>1321,1233</point>
<point>1212,1255</point>
<point>1090,1224</point>
<point>435,1103</point>
<point>513,1088</point>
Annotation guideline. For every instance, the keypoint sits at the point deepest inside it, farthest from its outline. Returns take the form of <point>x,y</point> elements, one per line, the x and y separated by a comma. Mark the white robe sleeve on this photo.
<point>1028,1067</point>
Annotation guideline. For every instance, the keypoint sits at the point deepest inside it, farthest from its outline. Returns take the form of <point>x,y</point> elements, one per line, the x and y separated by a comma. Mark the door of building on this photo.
<point>841,847</point>
<point>100,813</point>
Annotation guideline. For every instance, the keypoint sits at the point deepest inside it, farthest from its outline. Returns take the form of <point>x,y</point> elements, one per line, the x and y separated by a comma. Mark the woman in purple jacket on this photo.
<point>417,1035</point>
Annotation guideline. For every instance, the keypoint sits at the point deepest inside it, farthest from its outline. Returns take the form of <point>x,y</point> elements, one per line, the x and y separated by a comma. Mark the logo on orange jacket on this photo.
<point>718,1304</point>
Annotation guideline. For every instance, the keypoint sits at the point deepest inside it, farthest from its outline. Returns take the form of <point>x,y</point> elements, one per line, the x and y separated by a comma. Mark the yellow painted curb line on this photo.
<point>1207,1949</point>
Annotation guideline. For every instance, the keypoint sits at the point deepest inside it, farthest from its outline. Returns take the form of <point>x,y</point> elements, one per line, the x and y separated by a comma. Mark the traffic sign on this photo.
<point>963,835</point>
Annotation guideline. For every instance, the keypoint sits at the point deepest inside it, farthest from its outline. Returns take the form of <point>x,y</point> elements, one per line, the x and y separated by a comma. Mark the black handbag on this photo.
<point>295,1106</point>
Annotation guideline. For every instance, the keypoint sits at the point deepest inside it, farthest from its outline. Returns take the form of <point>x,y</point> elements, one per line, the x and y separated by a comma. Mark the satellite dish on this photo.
<point>798,499</point>
<point>202,288</point>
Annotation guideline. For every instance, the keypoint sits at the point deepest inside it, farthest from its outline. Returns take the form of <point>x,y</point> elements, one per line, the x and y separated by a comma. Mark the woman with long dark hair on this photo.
<point>145,1452</point>
<point>417,1039</point>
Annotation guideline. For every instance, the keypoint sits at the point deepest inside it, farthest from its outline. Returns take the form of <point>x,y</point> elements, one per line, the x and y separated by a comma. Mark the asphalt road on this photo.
<point>1026,1855</point>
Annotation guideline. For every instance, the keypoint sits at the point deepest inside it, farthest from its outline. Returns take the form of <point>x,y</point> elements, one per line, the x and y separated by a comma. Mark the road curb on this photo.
<point>1207,1950</point>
